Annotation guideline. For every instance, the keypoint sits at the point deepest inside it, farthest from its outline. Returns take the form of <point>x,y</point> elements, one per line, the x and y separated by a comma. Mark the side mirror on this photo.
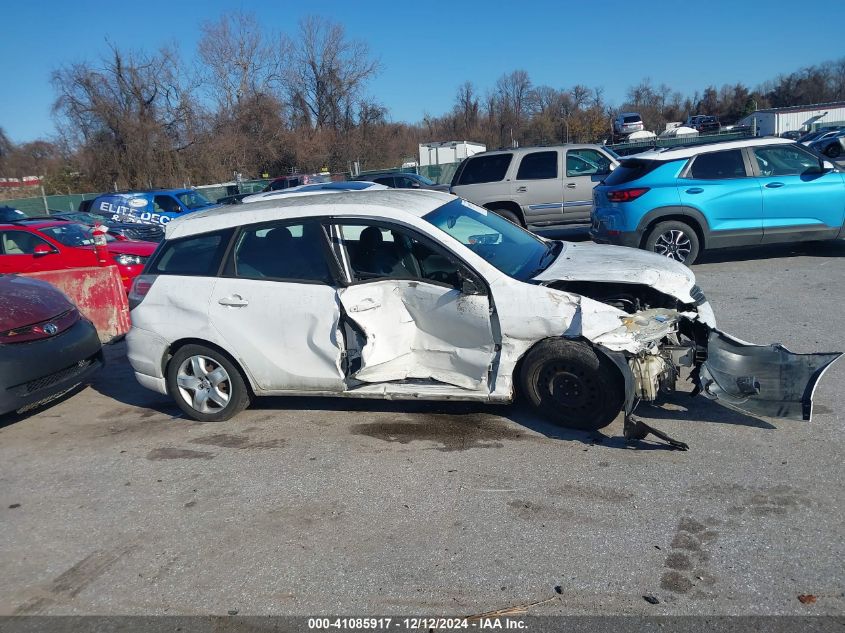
<point>469,286</point>
<point>41,250</point>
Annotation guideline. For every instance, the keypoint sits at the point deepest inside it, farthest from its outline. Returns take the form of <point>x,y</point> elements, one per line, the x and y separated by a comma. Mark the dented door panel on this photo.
<point>766,380</point>
<point>415,329</point>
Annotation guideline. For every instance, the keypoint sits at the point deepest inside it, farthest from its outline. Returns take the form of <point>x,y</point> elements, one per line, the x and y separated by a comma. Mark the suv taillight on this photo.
<point>626,195</point>
<point>140,287</point>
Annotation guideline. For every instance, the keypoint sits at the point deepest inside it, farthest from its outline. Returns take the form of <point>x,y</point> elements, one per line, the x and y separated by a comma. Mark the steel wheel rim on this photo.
<point>674,244</point>
<point>203,384</point>
<point>570,387</point>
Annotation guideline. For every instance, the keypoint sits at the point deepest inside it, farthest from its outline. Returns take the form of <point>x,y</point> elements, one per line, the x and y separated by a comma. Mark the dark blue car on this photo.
<point>158,206</point>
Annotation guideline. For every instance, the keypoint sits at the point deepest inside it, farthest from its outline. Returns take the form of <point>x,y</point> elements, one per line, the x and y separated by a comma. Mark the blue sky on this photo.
<point>428,48</point>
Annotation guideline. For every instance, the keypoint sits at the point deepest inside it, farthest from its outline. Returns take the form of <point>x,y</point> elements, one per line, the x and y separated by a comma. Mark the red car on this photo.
<point>46,347</point>
<point>34,245</point>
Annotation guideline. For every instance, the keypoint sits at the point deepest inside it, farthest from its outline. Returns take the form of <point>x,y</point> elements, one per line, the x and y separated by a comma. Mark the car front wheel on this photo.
<point>675,240</point>
<point>572,385</point>
<point>205,384</point>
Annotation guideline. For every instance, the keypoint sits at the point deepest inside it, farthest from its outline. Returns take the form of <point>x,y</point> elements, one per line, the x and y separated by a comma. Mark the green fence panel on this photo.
<point>35,206</point>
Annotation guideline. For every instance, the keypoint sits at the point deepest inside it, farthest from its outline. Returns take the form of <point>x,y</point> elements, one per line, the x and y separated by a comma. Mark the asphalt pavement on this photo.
<point>111,503</point>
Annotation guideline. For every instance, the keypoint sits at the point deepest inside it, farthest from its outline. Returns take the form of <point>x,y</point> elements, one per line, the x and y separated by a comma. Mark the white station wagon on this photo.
<point>422,295</point>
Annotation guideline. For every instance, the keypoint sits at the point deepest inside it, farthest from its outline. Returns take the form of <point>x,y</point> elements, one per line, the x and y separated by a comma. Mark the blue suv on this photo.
<point>157,206</point>
<point>680,201</point>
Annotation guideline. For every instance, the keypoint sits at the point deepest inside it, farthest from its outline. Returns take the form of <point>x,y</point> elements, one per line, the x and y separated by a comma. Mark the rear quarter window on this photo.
<point>480,169</point>
<point>195,256</point>
<point>631,170</point>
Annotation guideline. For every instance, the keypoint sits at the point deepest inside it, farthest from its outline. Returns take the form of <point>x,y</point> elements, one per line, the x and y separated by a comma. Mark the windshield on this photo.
<point>193,199</point>
<point>73,234</point>
<point>511,249</point>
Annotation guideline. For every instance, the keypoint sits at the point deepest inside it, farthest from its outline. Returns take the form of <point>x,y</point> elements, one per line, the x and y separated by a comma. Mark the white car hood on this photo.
<point>586,261</point>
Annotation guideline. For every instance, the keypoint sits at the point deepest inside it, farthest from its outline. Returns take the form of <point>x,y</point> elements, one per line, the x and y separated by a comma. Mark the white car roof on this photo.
<point>312,188</point>
<point>672,153</point>
<point>383,203</point>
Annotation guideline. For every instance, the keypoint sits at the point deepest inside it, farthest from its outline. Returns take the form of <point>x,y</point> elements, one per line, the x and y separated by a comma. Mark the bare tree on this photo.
<point>326,73</point>
<point>128,116</point>
<point>238,61</point>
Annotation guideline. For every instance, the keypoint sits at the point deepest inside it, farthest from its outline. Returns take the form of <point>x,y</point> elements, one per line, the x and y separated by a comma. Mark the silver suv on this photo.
<point>536,186</point>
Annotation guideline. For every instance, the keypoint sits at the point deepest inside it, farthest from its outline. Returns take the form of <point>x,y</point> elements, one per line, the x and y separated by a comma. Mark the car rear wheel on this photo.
<point>509,215</point>
<point>205,384</point>
<point>572,385</point>
<point>675,240</point>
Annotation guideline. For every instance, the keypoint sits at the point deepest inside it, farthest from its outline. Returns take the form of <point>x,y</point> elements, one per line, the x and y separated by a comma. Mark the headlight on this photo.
<point>124,259</point>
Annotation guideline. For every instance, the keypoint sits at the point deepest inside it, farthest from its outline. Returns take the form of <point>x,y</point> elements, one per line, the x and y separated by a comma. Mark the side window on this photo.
<point>586,162</point>
<point>195,256</point>
<point>538,166</point>
<point>376,252</point>
<point>718,165</point>
<point>294,252</point>
<point>166,204</point>
<point>784,161</point>
<point>19,243</point>
<point>480,169</point>
<point>403,182</point>
<point>387,181</point>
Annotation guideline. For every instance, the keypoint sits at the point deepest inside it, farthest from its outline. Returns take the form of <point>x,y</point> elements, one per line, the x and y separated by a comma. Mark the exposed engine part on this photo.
<point>651,374</point>
<point>630,298</point>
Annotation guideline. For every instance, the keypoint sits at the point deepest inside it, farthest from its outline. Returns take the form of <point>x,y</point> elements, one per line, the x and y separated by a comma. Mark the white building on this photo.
<point>776,121</point>
<point>448,152</point>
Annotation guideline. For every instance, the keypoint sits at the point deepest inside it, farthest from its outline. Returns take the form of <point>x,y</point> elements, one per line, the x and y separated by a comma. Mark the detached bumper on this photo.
<point>766,380</point>
<point>34,373</point>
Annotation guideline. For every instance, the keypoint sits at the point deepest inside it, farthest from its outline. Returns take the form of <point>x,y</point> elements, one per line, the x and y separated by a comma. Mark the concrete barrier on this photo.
<point>98,293</point>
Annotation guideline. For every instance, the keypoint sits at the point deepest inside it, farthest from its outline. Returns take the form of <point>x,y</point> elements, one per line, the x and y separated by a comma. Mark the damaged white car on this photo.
<point>422,295</point>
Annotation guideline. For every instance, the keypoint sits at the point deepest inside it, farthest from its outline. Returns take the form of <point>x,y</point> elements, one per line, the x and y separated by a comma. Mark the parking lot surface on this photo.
<point>111,503</point>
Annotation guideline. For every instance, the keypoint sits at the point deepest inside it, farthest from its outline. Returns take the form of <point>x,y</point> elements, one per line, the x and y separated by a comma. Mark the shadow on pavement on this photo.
<point>832,248</point>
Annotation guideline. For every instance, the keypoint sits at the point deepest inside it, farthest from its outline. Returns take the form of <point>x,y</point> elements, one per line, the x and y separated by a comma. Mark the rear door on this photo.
<point>719,184</point>
<point>799,200</point>
<point>585,168</point>
<point>537,187</point>
<point>276,307</point>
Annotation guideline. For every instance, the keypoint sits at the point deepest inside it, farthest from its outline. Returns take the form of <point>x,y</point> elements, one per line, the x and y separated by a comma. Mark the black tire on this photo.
<point>834,150</point>
<point>572,385</point>
<point>509,215</point>
<point>674,239</point>
<point>223,399</point>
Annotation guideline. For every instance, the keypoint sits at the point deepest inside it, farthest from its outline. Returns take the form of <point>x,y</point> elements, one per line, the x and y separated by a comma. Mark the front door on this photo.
<point>419,312</point>
<point>798,198</point>
<point>277,307</point>
<point>585,168</point>
<point>537,187</point>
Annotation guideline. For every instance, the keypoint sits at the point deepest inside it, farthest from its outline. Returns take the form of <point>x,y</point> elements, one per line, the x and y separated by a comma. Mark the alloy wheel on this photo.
<point>673,244</point>
<point>203,384</point>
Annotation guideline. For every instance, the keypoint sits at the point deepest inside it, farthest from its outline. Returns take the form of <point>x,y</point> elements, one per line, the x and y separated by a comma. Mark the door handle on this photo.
<point>234,301</point>
<point>774,185</point>
<point>695,190</point>
<point>521,189</point>
<point>368,304</point>
<point>570,185</point>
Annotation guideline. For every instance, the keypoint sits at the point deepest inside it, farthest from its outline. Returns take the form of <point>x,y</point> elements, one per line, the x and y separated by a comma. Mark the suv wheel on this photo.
<point>205,384</point>
<point>509,215</point>
<point>675,240</point>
